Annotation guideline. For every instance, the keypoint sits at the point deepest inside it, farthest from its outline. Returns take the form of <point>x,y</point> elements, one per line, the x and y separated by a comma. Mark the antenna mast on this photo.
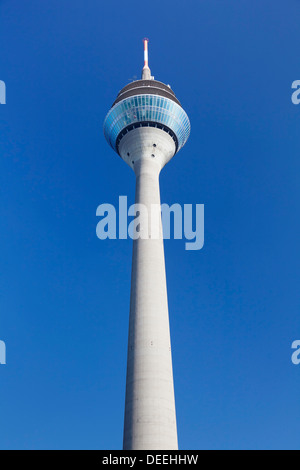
<point>146,74</point>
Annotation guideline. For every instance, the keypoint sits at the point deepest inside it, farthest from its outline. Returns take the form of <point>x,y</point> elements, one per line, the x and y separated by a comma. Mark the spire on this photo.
<point>146,73</point>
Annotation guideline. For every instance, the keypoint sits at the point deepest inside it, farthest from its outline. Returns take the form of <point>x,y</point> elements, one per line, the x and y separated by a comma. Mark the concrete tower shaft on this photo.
<point>150,143</point>
<point>150,419</point>
<point>146,126</point>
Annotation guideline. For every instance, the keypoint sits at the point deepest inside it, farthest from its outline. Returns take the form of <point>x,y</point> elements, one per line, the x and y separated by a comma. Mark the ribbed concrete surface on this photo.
<point>150,419</point>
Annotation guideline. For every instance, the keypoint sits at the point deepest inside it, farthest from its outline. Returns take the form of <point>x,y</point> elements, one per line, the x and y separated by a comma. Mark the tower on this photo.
<point>147,126</point>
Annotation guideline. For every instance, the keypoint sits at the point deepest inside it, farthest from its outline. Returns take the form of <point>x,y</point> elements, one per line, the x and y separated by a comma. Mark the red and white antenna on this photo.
<point>146,74</point>
<point>146,40</point>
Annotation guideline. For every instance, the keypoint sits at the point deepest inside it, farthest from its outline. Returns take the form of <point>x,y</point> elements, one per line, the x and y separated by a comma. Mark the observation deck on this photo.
<point>146,103</point>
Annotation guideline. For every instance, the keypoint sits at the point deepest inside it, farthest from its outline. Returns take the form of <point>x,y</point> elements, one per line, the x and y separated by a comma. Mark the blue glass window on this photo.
<point>147,108</point>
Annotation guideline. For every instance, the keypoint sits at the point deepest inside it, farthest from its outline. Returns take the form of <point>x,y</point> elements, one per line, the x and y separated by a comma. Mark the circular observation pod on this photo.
<point>146,103</point>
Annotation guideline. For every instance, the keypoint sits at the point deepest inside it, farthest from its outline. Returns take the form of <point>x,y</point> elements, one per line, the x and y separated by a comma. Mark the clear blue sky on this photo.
<point>64,303</point>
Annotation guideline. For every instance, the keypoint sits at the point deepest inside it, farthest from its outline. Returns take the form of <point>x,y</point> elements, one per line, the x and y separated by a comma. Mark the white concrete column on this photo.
<point>150,419</point>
